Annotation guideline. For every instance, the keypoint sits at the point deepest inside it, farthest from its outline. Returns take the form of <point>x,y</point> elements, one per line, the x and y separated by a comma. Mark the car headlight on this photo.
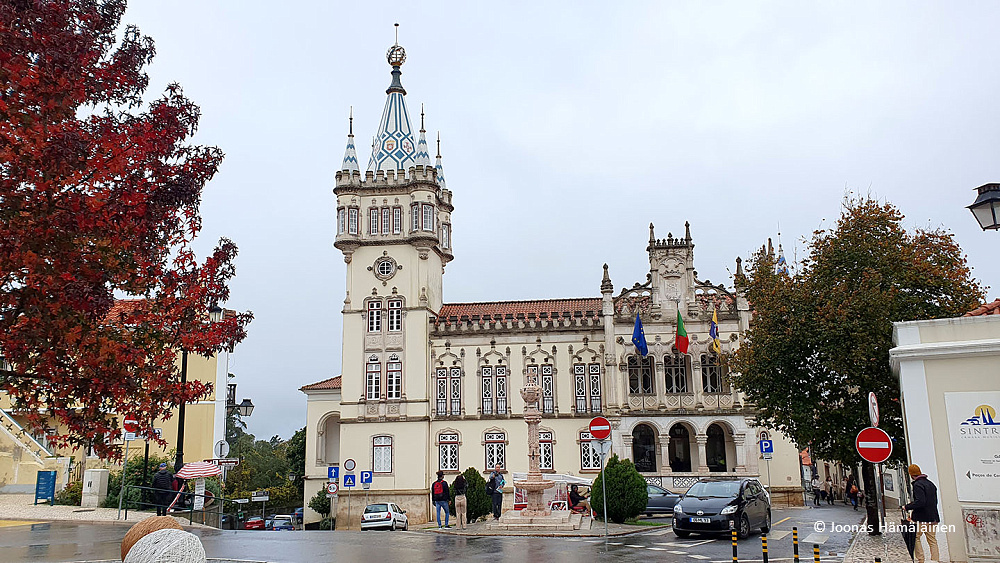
<point>678,509</point>
<point>729,509</point>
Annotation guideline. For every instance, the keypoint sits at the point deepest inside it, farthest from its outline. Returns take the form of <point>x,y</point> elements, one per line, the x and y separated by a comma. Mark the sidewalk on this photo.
<point>21,507</point>
<point>889,546</point>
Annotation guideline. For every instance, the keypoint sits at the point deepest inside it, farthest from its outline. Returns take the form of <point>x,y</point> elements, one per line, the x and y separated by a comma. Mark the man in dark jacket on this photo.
<point>925,512</point>
<point>163,483</point>
<point>496,490</point>
<point>441,497</point>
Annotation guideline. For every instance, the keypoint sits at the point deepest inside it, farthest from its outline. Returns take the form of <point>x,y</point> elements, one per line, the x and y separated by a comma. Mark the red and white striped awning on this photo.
<point>197,469</point>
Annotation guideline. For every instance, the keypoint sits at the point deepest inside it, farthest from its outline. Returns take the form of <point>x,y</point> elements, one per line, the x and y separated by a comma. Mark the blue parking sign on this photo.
<point>348,480</point>
<point>333,473</point>
<point>767,446</point>
<point>366,477</point>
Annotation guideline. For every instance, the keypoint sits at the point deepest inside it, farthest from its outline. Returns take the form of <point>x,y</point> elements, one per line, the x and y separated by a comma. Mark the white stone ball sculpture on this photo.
<point>167,546</point>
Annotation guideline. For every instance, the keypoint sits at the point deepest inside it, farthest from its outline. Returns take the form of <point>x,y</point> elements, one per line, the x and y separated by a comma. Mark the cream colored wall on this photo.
<point>958,329</point>
<point>321,408</point>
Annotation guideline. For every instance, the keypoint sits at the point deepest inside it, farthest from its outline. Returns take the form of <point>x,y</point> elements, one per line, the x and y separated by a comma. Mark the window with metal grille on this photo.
<point>386,221</point>
<point>595,387</point>
<point>397,220</point>
<point>374,316</point>
<point>675,371</point>
<point>496,450</point>
<point>580,387</point>
<point>395,320</point>
<point>640,375</point>
<point>373,221</point>
<point>394,378</point>
<point>341,220</point>
<point>352,220</point>
<point>501,389</point>
<point>428,222</point>
<point>446,235</point>
<point>373,379</point>
<point>442,391</point>
<point>456,390</point>
<point>548,390</point>
<point>382,454</point>
<point>545,455</point>
<point>487,386</point>
<point>448,452</point>
<point>711,373</point>
<point>590,458</point>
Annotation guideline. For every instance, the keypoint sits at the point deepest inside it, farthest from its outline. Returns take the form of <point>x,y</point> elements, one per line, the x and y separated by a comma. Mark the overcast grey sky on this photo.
<point>567,127</point>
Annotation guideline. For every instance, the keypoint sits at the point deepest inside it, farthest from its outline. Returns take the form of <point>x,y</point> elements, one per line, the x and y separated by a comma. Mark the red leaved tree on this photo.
<point>99,197</point>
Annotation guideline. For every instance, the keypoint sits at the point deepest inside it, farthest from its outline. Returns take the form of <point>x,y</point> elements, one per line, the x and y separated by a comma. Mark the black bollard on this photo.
<point>763,546</point>
<point>735,556</point>
<point>795,544</point>
<point>878,560</point>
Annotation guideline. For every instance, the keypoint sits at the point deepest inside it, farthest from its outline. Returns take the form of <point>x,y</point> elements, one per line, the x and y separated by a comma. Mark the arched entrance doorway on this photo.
<point>715,448</point>
<point>644,449</point>
<point>680,449</point>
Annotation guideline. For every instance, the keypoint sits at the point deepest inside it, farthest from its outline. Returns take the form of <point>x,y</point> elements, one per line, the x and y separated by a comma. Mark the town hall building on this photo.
<point>430,385</point>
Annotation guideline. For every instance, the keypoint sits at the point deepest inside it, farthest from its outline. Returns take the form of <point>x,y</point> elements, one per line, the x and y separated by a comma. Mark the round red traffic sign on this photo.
<point>332,488</point>
<point>600,428</point>
<point>130,425</point>
<point>874,445</point>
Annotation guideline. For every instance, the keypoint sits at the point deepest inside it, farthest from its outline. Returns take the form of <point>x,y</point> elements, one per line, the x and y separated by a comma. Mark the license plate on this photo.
<point>701,520</point>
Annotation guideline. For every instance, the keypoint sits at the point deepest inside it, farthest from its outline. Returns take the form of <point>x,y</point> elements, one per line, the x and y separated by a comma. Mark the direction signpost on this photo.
<point>262,497</point>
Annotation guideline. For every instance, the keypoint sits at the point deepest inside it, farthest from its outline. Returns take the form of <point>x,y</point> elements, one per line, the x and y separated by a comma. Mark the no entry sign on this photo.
<point>600,428</point>
<point>874,445</point>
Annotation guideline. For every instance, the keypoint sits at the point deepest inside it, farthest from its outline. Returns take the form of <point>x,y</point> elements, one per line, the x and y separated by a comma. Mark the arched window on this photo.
<point>640,375</point>
<point>644,449</point>
<point>675,370</point>
<point>382,454</point>
<point>680,449</point>
<point>715,448</point>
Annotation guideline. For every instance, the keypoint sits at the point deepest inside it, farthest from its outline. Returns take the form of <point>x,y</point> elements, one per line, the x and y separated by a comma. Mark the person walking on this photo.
<point>461,503</point>
<point>441,496</point>
<point>815,490</point>
<point>924,512</point>
<point>495,489</point>
<point>163,483</point>
<point>828,489</point>
<point>844,489</point>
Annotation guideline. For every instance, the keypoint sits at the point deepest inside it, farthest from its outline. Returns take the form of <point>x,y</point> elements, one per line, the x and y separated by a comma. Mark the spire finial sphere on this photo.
<point>396,54</point>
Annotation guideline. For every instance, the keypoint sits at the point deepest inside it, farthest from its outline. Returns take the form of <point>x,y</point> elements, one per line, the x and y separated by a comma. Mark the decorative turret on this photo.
<point>350,155</point>
<point>394,149</point>
<point>423,157</point>
<point>438,167</point>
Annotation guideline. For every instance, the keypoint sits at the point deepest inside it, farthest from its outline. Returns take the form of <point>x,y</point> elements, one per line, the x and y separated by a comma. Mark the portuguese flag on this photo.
<point>681,341</point>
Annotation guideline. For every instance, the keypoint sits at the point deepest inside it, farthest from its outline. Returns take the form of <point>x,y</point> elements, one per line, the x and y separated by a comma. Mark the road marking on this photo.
<point>672,544</point>
<point>658,532</point>
<point>615,543</point>
<point>816,538</point>
<point>777,535</point>
<point>699,543</point>
<point>785,519</point>
<point>699,557</point>
<point>634,545</point>
<point>677,552</point>
<point>657,548</point>
<point>12,523</point>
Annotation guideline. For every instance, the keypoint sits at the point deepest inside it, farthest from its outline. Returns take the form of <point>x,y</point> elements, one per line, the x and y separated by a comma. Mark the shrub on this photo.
<point>479,502</point>
<point>627,493</point>
<point>321,504</point>
<point>134,498</point>
<point>71,495</point>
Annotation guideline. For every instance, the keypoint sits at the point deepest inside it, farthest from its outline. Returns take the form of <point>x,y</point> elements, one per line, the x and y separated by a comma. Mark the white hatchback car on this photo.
<point>383,515</point>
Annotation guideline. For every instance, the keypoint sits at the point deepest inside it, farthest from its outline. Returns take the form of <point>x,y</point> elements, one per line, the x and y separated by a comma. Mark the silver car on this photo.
<point>383,515</point>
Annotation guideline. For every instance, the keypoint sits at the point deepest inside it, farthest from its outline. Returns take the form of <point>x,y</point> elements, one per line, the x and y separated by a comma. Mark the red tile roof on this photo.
<point>123,307</point>
<point>332,383</point>
<point>987,309</point>
<point>502,310</point>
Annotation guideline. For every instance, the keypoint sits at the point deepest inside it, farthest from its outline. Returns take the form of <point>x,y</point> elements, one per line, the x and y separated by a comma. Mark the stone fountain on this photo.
<point>536,516</point>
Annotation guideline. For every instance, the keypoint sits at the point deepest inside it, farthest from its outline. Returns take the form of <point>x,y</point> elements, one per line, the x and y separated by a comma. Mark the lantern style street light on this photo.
<point>986,208</point>
<point>245,408</point>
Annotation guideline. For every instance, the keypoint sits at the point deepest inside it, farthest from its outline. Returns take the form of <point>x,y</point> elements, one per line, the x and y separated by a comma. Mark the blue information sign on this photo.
<point>45,487</point>
<point>366,477</point>
<point>767,446</point>
<point>333,473</point>
<point>348,480</point>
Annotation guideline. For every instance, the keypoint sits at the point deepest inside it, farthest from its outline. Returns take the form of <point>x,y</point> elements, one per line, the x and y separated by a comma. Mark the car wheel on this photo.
<point>767,524</point>
<point>392,526</point>
<point>406,525</point>
<point>743,532</point>
<point>682,534</point>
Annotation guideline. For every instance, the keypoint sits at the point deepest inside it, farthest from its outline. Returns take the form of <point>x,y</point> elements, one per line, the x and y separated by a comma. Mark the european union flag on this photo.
<point>639,337</point>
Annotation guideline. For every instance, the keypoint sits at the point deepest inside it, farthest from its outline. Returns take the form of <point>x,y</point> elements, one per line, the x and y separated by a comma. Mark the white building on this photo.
<point>431,385</point>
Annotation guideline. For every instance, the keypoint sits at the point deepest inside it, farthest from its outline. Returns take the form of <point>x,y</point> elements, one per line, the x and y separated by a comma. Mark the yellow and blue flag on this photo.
<point>639,337</point>
<point>713,333</point>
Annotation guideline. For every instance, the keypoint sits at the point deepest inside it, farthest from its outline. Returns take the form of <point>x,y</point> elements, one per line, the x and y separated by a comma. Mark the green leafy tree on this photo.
<point>266,465</point>
<point>320,503</point>
<point>295,453</point>
<point>479,502</point>
<point>820,336</point>
<point>626,489</point>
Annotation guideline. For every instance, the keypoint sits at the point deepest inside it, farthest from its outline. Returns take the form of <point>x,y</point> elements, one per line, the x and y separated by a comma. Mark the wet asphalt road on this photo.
<point>72,541</point>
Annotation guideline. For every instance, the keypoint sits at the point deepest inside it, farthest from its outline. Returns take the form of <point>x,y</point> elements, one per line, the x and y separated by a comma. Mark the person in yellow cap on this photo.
<point>924,512</point>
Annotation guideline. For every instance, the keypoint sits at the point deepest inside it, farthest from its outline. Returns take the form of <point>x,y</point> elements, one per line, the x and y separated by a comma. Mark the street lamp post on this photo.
<point>986,208</point>
<point>214,315</point>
